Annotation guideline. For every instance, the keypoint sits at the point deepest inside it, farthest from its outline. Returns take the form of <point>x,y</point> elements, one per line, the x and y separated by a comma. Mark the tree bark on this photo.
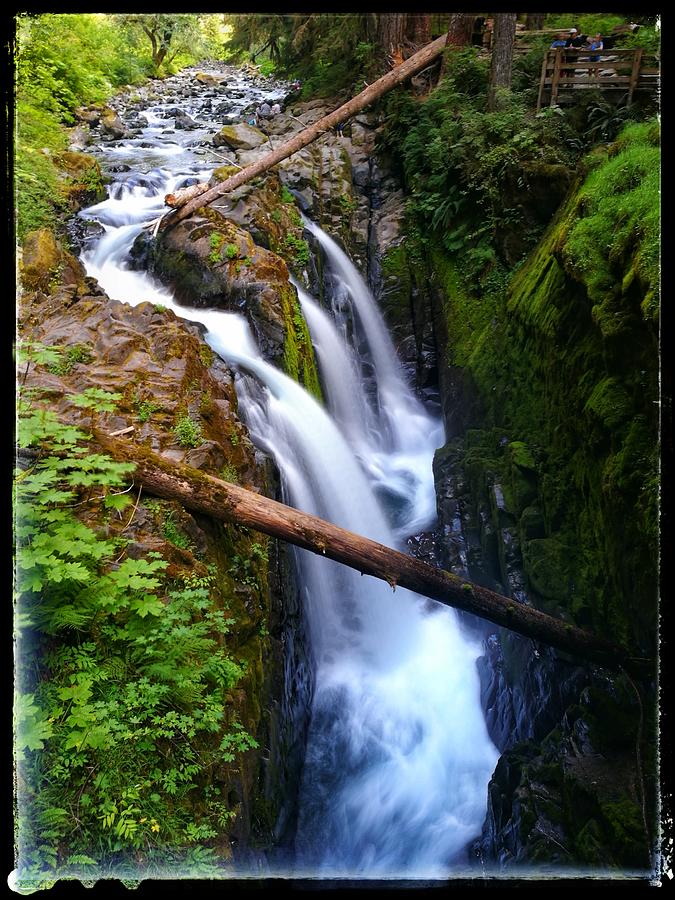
<point>534,21</point>
<point>460,30</point>
<point>183,195</point>
<point>399,74</point>
<point>419,28</point>
<point>502,55</point>
<point>392,35</point>
<point>231,503</point>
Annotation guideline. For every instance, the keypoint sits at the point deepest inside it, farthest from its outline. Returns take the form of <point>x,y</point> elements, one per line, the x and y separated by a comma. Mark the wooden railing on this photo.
<point>565,69</point>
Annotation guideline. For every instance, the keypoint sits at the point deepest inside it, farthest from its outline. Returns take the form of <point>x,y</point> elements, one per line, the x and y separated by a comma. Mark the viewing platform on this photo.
<point>564,70</point>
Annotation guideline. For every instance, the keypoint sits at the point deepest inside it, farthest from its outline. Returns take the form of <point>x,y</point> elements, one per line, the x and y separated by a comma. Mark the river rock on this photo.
<point>44,261</point>
<point>239,137</point>
<point>111,124</point>
<point>79,138</point>
<point>91,115</point>
<point>184,122</point>
<point>209,79</point>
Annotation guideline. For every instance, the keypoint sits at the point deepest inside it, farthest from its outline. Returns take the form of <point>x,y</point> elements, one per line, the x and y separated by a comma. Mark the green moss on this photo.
<point>206,355</point>
<point>567,372</point>
<point>610,403</point>
<point>619,215</point>
<point>298,359</point>
<point>547,566</point>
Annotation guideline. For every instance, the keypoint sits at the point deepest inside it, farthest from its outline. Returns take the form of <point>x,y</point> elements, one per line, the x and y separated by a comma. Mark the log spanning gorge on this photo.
<point>397,758</point>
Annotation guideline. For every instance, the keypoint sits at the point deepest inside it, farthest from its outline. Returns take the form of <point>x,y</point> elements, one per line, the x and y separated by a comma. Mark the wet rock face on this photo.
<point>574,800</point>
<point>567,791</point>
<point>210,261</point>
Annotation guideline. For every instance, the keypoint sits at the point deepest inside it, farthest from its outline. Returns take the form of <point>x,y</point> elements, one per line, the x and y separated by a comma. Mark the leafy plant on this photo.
<point>188,432</point>
<point>70,357</point>
<point>173,534</point>
<point>122,709</point>
<point>145,408</point>
<point>229,473</point>
<point>297,249</point>
<point>286,196</point>
<point>231,250</point>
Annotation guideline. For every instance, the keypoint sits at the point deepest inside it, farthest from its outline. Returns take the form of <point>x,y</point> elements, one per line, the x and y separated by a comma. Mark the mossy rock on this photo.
<point>45,264</point>
<point>546,562</point>
<point>240,137</point>
<point>531,524</point>
<point>222,173</point>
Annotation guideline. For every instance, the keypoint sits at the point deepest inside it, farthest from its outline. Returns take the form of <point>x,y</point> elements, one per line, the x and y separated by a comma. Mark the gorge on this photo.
<point>299,337</point>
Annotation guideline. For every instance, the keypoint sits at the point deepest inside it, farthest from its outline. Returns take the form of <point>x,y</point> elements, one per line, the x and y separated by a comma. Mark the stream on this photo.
<point>398,757</point>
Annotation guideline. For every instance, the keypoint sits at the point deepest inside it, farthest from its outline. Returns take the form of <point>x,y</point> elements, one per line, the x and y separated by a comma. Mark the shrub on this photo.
<point>188,432</point>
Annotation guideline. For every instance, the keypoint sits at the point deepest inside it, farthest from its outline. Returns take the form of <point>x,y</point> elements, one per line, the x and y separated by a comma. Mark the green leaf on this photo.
<point>96,399</point>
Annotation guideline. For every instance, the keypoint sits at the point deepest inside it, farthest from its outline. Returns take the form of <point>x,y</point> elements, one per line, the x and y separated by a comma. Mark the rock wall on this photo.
<point>549,480</point>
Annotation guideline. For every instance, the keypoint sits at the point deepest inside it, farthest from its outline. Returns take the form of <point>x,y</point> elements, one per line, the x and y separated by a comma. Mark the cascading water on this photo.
<point>398,757</point>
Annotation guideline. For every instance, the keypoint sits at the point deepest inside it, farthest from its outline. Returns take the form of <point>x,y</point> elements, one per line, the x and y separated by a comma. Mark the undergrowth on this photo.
<point>123,717</point>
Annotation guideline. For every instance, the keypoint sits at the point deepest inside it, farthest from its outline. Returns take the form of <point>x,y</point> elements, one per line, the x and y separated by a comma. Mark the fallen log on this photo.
<point>188,203</point>
<point>227,502</point>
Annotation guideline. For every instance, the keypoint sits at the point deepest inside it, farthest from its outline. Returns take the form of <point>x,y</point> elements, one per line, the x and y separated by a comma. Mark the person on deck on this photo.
<point>596,44</point>
<point>575,41</point>
<point>559,42</point>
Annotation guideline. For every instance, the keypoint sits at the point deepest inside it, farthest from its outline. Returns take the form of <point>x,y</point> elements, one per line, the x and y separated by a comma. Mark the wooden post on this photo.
<point>542,80</point>
<point>635,73</point>
<point>556,77</point>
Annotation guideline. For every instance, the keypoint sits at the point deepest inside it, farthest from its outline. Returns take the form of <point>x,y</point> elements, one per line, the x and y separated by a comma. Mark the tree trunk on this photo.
<point>183,195</point>
<point>460,30</point>
<point>416,63</point>
<point>392,35</point>
<point>502,55</point>
<point>534,21</point>
<point>230,503</point>
<point>419,29</point>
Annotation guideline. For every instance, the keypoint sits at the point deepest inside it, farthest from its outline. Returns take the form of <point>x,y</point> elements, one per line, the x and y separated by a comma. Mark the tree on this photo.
<point>502,56</point>
<point>535,21</point>
<point>227,502</point>
<point>169,34</point>
<point>460,30</point>
<point>391,34</point>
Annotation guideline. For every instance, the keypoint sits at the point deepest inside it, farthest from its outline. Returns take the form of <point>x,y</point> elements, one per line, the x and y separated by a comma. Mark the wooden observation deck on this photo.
<point>565,70</point>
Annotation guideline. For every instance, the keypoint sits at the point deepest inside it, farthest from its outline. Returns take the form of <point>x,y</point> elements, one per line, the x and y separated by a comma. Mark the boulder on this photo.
<point>89,114</point>
<point>79,138</point>
<point>183,120</point>
<point>44,261</point>
<point>111,124</point>
<point>211,80</point>
<point>239,137</point>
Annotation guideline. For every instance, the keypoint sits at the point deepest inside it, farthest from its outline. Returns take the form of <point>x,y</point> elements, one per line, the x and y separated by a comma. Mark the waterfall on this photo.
<point>398,757</point>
